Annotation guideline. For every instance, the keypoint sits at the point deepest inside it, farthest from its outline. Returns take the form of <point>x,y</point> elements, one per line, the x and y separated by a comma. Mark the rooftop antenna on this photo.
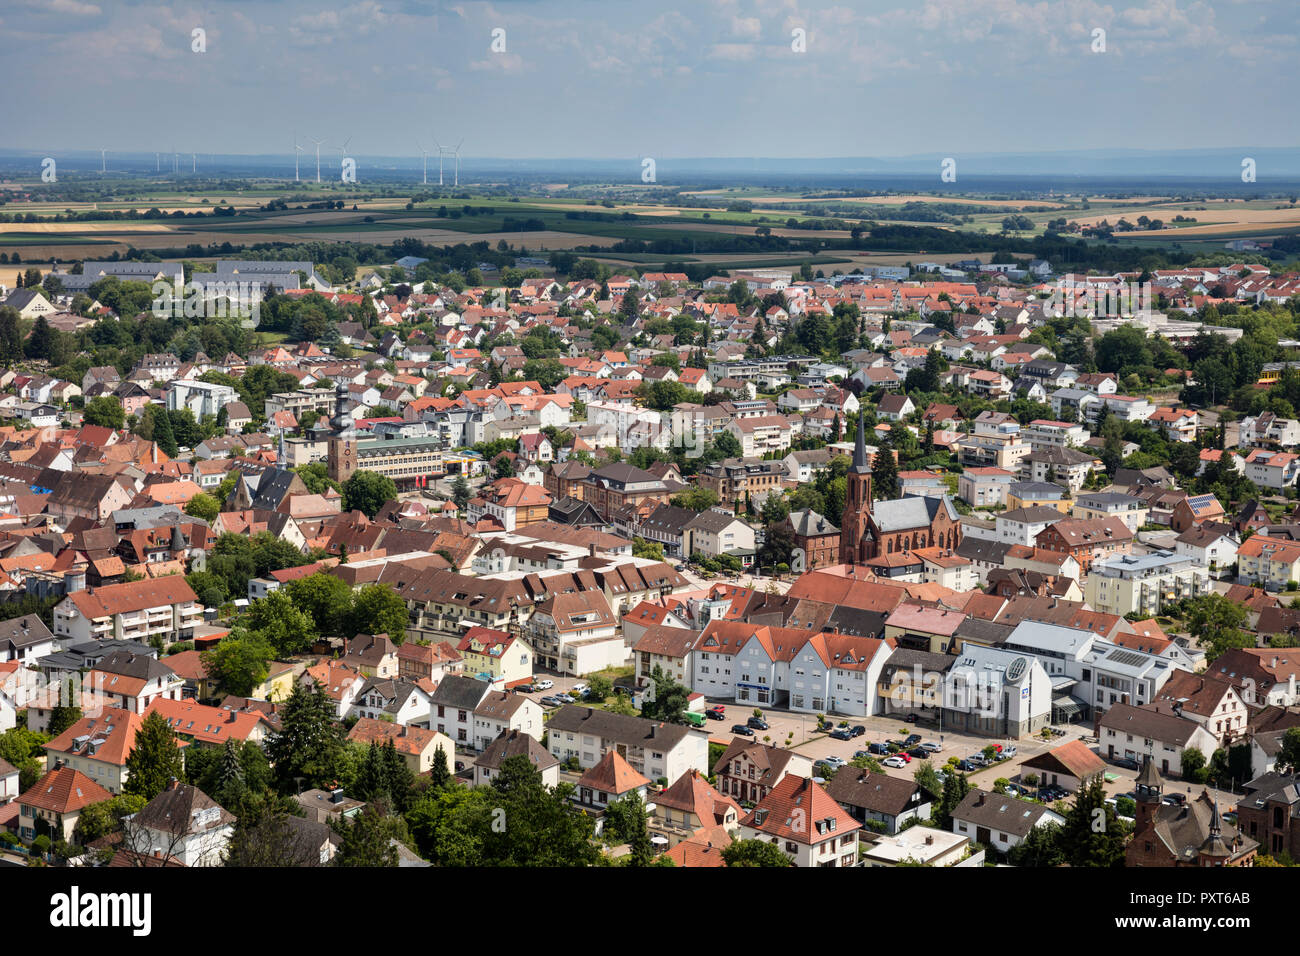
<point>425,153</point>
<point>317,142</point>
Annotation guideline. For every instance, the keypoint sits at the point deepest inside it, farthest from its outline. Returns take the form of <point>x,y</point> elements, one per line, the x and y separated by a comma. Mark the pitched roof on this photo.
<point>1000,812</point>
<point>799,810</point>
<point>614,775</point>
<point>64,790</point>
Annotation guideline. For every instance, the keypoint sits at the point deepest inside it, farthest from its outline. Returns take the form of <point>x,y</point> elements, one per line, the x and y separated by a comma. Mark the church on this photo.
<point>888,527</point>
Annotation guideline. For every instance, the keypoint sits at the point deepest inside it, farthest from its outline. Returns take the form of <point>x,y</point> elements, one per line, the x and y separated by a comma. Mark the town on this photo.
<point>487,437</point>
<point>768,568</point>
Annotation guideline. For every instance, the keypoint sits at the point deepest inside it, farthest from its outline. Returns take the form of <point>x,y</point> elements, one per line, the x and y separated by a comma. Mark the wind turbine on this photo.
<point>425,153</point>
<point>317,142</point>
<point>342,148</point>
<point>194,163</point>
<point>103,162</point>
<point>157,162</point>
<point>296,150</point>
<point>456,152</point>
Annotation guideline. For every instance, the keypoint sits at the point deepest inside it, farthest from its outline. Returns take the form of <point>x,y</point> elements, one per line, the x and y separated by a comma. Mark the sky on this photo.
<point>637,78</point>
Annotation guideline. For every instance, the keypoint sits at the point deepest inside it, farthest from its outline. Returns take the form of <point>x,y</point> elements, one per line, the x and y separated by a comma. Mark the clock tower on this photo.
<point>342,457</point>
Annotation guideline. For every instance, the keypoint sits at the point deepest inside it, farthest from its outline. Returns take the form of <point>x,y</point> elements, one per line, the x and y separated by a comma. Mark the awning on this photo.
<point>1071,706</point>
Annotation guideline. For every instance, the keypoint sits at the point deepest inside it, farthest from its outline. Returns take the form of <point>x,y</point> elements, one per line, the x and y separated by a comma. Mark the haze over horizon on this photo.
<point>714,79</point>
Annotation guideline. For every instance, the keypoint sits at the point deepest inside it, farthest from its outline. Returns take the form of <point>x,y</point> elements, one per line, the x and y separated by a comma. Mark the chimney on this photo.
<point>336,795</point>
<point>172,783</point>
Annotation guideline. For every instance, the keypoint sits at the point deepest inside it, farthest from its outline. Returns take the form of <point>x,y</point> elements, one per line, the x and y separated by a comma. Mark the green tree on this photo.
<point>670,699</point>
<point>1040,848</point>
<point>105,817</point>
<point>884,472</point>
<point>955,788</point>
<point>1288,758</point>
<point>626,821</point>
<point>754,853</point>
<point>308,750</point>
<point>204,507</point>
<point>155,758</point>
<point>366,841</point>
<point>325,598</point>
<point>367,492</point>
<point>240,661</point>
<point>61,718</point>
<point>1192,765</point>
<point>105,411</point>
<point>287,628</point>
<point>440,774</point>
<point>696,499</point>
<point>460,491</point>
<point>377,609</point>
<point>1092,834</point>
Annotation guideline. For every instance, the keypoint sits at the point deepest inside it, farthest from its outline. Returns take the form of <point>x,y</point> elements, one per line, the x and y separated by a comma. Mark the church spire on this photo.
<point>860,463</point>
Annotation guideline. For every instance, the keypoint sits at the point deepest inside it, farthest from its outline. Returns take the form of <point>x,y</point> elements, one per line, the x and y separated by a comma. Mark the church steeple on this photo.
<point>860,447</point>
<point>1149,792</point>
<point>855,537</point>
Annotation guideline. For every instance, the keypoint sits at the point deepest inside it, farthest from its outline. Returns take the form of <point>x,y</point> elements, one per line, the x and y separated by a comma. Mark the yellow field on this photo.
<point>1215,219</point>
<point>78,228</point>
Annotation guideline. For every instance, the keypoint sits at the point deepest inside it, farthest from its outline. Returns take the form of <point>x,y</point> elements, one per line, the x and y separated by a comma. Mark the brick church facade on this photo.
<point>891,527</point>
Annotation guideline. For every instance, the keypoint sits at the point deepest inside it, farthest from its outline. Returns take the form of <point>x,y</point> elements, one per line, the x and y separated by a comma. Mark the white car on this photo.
<point>579,688</point>
<point>543,684</point>
<point>833,762</point>
<point>898,763</point>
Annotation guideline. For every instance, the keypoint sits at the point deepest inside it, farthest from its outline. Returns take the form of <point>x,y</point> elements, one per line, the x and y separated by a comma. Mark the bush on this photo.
<point>41,844</point>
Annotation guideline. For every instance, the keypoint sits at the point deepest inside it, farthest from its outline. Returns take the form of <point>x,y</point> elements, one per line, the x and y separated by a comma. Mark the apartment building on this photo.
<point>164,607</point>
<point>1144,584</point>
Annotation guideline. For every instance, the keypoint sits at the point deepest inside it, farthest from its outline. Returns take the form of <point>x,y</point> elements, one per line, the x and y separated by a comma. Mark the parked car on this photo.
<point>833,762</point>
<point>715,715</point>
<point>857,730</point>
<point>978,760</point>
<point>742,730</point>
<point>716,709</point>
<point>904,756</point>
<point>966,766</point>
<point>544,684</point>
<point>912,740</point>
<point>758,723</point>
<point>841,733</point>
<point>524,688</point>
<point>896,762</point>
<point>1017,790</point>
<point>862,753</point>
<point>881,749</point>
<point>919,752</point>
<point>1007,752</point>
<point>579,688</point>
<point>910,718</point>
<point>932,746</point>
